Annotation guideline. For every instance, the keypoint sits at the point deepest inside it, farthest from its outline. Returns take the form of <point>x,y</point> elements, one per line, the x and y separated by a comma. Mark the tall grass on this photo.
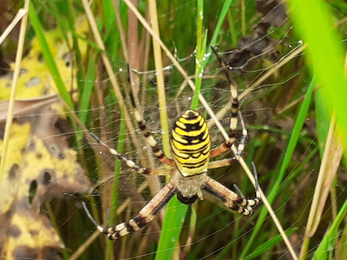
<point>282,144</point>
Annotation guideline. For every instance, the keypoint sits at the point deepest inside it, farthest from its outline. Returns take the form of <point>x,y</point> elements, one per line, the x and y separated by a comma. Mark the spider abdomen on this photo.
<point>190,144</point>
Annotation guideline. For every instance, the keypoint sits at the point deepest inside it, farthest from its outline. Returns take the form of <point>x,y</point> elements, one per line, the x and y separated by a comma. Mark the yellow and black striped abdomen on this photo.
<point>190,143</point>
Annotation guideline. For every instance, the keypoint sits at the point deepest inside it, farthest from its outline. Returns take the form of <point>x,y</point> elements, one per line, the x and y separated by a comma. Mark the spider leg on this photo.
<point>241,146</point>
<point>232,200</point>
<point>130,163</point>
<point>255,174</point>
<point>235,113</point>
<point>145,216</point>
<point>228,144</point>
<point>149,138</point>
<point>257,191</point>
<point>221,163</point>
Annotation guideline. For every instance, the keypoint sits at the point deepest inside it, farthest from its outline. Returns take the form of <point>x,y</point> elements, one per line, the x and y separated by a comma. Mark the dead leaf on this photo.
<point>39,161</point>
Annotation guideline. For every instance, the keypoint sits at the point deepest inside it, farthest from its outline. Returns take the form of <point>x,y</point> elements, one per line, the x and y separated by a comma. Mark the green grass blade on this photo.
<point>176,211</point>
<point>325,55</point>
<point>112,40</point>
<point>299,122</point>
<point>84,103</point>
<point>216,31</point>
<point>171,230</point>
<point>115,199</point>
<point>87,90</point>
<point>201,48</point>
<point>323,119</point>
<point>328,241</point>
<point>49,59</point>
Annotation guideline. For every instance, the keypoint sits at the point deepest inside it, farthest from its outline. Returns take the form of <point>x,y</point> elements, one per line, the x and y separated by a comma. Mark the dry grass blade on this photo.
<point>112,76</point>
<point>213,116</point>
<point>85,245</point>
<point>14,87</point>
<point>333,153</point>
<point>160,77</point>
<point>161,89</point>
<point>14,22</point>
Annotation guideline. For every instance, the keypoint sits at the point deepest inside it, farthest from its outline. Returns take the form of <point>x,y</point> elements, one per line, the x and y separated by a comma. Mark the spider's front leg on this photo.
<point>145,216</point>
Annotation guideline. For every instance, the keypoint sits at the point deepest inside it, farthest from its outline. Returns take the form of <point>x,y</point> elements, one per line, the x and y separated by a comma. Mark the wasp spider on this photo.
<point>190,146</point>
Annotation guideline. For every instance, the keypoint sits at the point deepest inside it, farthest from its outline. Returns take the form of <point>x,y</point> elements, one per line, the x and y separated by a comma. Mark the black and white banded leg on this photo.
<point>130,163</point>
<point>145,216</point>
<point>230,199</point>
<point>235,114</point>
<point>149,138</point>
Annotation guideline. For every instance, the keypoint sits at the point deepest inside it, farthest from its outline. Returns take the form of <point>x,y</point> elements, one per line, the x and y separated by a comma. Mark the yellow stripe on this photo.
<point>186,114</point>
<point>191,133</point>
<point>178,137</point>
<point>181,125</point>
<point>190,120</point>
<point>178,152</point>
<point>183,157</point>
<point>193,147</point>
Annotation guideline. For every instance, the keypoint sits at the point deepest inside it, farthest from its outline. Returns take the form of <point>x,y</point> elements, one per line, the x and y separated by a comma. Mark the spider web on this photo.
<point>267,67</point>
<point>269,114</point>
<point>248,63</point>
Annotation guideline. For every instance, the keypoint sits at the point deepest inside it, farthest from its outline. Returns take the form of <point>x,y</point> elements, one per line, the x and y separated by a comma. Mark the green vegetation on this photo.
<point>288,68</point>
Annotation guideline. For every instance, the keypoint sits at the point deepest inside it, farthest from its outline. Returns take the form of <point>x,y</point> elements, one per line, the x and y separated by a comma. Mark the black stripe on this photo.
<point>232,134</point>
<point>191,115</point>
<point>191,151</point>
<point>142,126</point>
<point>132,100</point>
<point>155,149</point>
<point>190,127</point>
<point>143,129</point>
<point>193,167</point>
<point>161,156</point>
<point>167,198</point>
<point>130,228</point>
<point>190,155</point>
<point>184,158</point>
<point>215,193</point>
<point>190,139</point>
<point>146,170</point>
<point>236,207</point>
<point>200,163</point>
<point>140,221</point>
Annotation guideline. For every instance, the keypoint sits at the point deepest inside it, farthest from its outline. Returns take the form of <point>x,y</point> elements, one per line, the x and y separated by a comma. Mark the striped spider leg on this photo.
<point>233,120</point>
<point>232,200</point>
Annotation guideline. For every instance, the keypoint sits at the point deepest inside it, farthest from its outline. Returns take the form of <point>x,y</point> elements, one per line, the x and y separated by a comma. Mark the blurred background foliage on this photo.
<point>283,107</point>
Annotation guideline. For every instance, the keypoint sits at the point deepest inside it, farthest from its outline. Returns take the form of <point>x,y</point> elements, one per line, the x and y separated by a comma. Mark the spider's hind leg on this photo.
<point>232,200</point>
<point>145,216</point>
